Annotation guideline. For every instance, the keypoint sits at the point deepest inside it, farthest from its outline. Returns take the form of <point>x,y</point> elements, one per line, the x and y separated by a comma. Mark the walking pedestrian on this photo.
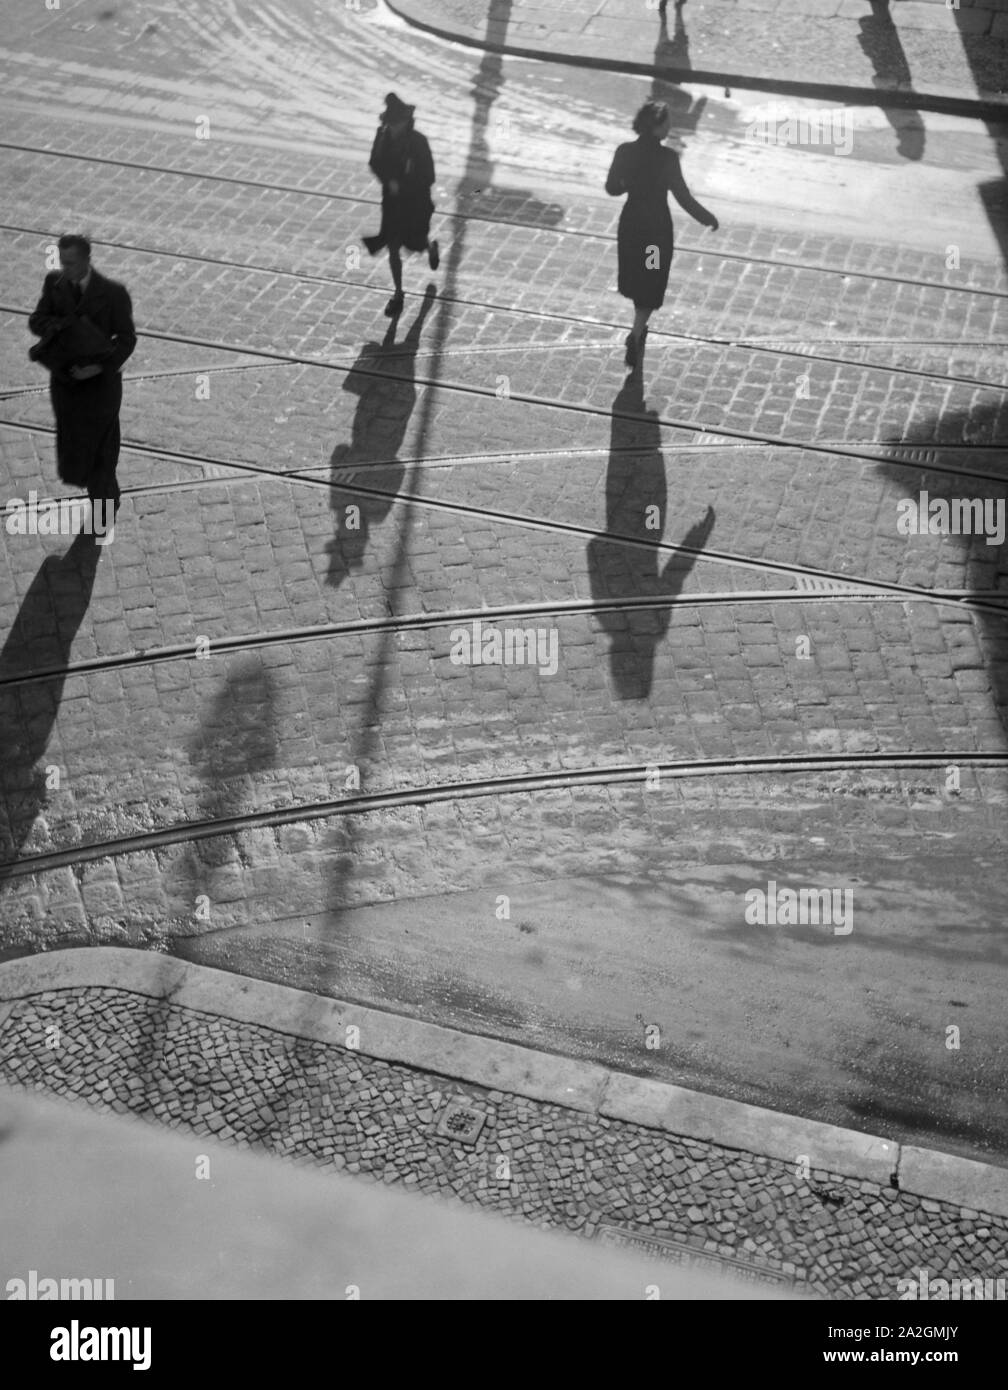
<point>647,171</point>
<point>85,323</point>
<point>401,158</point>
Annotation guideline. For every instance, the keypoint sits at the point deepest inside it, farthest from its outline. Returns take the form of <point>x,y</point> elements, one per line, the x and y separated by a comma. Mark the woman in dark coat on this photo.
<point>402,160</point>
<point>646,171</point>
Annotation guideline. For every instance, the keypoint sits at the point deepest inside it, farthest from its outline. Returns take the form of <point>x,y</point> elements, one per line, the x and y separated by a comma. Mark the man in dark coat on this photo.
<point>85,323</point>
<point>401,158</point>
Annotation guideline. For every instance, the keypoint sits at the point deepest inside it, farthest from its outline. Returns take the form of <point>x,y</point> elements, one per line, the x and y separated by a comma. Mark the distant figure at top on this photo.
<point>647,172</point>
<point>402,160</point>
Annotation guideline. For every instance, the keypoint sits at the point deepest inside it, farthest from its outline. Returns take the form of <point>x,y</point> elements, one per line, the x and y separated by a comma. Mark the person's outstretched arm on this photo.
<point>682,195</point>
<point>615,183</point>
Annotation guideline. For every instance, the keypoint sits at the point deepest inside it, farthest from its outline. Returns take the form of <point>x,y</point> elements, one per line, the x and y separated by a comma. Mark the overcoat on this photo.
<point>97,330</point>
<point>406,214</point>
<point>647,171</point>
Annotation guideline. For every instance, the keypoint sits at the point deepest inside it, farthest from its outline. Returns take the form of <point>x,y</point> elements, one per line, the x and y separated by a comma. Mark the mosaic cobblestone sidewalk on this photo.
<point>337,1108</point>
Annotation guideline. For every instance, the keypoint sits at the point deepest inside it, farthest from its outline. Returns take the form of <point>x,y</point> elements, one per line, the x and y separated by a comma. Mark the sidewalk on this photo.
<point>717,1187</point>
<point>248,1226</point>
<point>332,655</point>
<point>948,58</point>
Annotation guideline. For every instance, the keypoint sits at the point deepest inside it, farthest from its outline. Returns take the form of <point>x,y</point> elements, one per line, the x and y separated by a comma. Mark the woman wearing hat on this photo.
<point>647,171</point>
<point>401,159</point>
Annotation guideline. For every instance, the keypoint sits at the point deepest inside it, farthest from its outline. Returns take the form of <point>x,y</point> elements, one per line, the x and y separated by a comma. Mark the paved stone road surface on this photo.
<point>265,353</point>
<point>205,1076</point>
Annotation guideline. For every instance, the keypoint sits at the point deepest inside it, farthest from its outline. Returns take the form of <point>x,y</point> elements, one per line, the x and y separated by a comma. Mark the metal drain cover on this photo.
<point>461,1122</point>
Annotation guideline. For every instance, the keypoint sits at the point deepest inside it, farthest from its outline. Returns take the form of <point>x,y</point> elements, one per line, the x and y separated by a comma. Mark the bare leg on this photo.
<point>395,265</point>
<point>395,305</point>
<point>635,338</point>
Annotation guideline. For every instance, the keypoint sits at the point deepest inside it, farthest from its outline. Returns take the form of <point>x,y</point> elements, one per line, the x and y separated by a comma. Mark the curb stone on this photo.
<point>989,107</point>
<point>524,1072</point>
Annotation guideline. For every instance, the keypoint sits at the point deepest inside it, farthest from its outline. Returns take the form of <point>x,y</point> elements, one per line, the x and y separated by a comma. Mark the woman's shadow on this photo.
<point>674,52</point>
<point>880,41</point>
<point>41,637</point>
<point>383,379</point>
<point>636,505</point>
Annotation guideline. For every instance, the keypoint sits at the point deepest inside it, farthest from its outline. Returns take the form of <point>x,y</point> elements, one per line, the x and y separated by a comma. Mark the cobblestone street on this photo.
<point>240,733</point>
<point>209,1077</point>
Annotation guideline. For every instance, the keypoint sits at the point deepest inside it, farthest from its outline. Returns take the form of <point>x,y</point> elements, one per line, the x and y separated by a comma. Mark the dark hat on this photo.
<point>397,110</point>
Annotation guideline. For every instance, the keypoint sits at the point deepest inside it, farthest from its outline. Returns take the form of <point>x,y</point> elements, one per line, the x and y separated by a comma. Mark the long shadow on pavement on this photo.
<point>41,637</point>
<point>345,839</point>
<point>895,1089</point>
<point>383,379</point>
<point>984,569</point>
<point>236,740</point>
<point>476,194</point>
<point>881,43</point>
<point>993,194</point>
<point>637,505</point>
<point>673,52</point>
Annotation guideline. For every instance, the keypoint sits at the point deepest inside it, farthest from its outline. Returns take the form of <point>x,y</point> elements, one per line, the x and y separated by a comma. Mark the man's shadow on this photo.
<point>237,739</point>
<point>636,504</point>
<point>41,637</point>
<point>881,43</point>
<point>673,52</point>
<point>383,379</point>
<point>980,566</point>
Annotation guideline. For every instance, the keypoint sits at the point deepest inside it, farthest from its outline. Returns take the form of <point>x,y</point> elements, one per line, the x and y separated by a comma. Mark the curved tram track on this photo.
<point>819,585</point>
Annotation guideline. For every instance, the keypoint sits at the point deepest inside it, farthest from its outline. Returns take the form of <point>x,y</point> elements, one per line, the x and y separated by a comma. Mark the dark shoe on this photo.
<point>395,306</point>
<point>433,255</point>
<point>632,351</point>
